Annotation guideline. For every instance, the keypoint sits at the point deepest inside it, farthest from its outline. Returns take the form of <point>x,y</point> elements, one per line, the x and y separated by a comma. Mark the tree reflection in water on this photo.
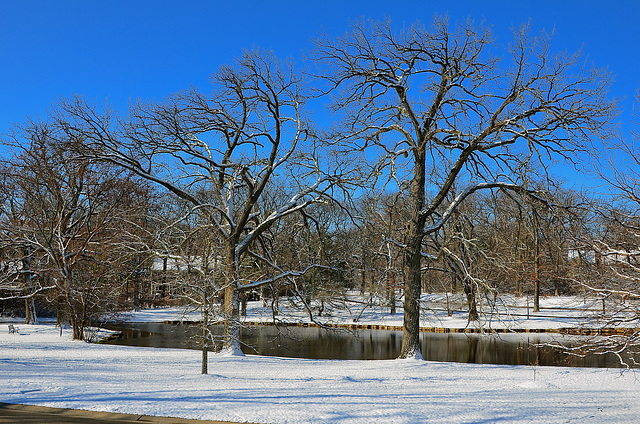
<point>318,343</point>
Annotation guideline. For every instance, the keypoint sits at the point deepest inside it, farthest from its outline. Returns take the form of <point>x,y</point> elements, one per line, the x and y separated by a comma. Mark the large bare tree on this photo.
<point>444,106</point>
<point>219,152</point>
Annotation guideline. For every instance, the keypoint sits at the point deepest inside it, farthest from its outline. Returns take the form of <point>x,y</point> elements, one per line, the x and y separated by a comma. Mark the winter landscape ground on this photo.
<point>39,367</point>
<point>507,313</point>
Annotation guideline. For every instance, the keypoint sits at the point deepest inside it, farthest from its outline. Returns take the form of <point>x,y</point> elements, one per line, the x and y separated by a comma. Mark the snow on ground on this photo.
<point>38,367</point>
<point>510,313</point>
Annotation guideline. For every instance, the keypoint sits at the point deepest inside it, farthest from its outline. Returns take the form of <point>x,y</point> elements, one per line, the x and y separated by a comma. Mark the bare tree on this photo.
<point>72,226</point>
<point>191,256</point>
<point>382,221</point>
<point>605,253</point>
<point>17,282</point>
<point>444,106</point>
<point>219,152</point>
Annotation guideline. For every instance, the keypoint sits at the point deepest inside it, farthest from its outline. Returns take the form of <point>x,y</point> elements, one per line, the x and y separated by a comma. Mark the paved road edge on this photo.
<point>107,416</point>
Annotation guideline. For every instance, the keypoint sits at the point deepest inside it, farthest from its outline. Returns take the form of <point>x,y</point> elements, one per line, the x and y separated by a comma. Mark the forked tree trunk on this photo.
<point>76,327</point>
<point>77,324</point>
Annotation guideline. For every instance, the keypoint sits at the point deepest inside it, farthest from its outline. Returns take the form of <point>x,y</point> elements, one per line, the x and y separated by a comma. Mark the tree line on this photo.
<point>392,161</point>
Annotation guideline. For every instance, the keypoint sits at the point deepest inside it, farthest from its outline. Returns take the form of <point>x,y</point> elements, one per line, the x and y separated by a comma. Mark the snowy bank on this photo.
<point>439,311</point>
<point>41,368</point>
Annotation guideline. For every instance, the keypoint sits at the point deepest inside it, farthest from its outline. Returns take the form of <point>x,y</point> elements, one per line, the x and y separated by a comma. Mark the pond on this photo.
<point>319,343</point>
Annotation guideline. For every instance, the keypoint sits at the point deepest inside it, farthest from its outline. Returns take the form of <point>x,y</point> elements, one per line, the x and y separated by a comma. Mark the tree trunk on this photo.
<point>413,285</point>
<point>31,316</point>
<point>363,277</point>
<point>77,325</point>
<point>244,297</point>
<point>29,304</point>
<point>413,261</point>
<point>470,291</point>
<point>205,358</point>
<point>59,313</point>
<point>205,333</point>
<point>232,305</point>
<point>536,295</point>
<point>391,295</point>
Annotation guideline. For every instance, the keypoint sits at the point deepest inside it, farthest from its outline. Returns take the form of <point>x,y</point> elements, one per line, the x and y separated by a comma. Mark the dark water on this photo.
<point>318,343</point>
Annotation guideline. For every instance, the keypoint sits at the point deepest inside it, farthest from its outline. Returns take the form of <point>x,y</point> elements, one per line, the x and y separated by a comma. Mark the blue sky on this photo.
<point>146,49</point>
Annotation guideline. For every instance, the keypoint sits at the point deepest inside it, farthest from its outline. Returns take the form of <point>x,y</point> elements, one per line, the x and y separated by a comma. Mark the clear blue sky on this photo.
<point>145,49</point>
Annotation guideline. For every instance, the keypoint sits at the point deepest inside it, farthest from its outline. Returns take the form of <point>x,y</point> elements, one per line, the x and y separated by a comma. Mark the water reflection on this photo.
<point>318,343</point>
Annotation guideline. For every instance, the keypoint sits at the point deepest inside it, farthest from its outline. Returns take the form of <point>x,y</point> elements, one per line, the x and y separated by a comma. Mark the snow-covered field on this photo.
<point>510,313</point>
<point>39,367</point>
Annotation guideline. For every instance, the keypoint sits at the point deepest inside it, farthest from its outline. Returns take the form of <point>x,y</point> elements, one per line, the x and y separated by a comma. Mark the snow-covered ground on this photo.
<point>508,313</point>
<point>39,367</point>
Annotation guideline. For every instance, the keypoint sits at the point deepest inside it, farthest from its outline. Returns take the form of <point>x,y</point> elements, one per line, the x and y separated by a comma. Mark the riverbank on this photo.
<point>574,331</point>
<point>441,313</point>
<point>41,368</point>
